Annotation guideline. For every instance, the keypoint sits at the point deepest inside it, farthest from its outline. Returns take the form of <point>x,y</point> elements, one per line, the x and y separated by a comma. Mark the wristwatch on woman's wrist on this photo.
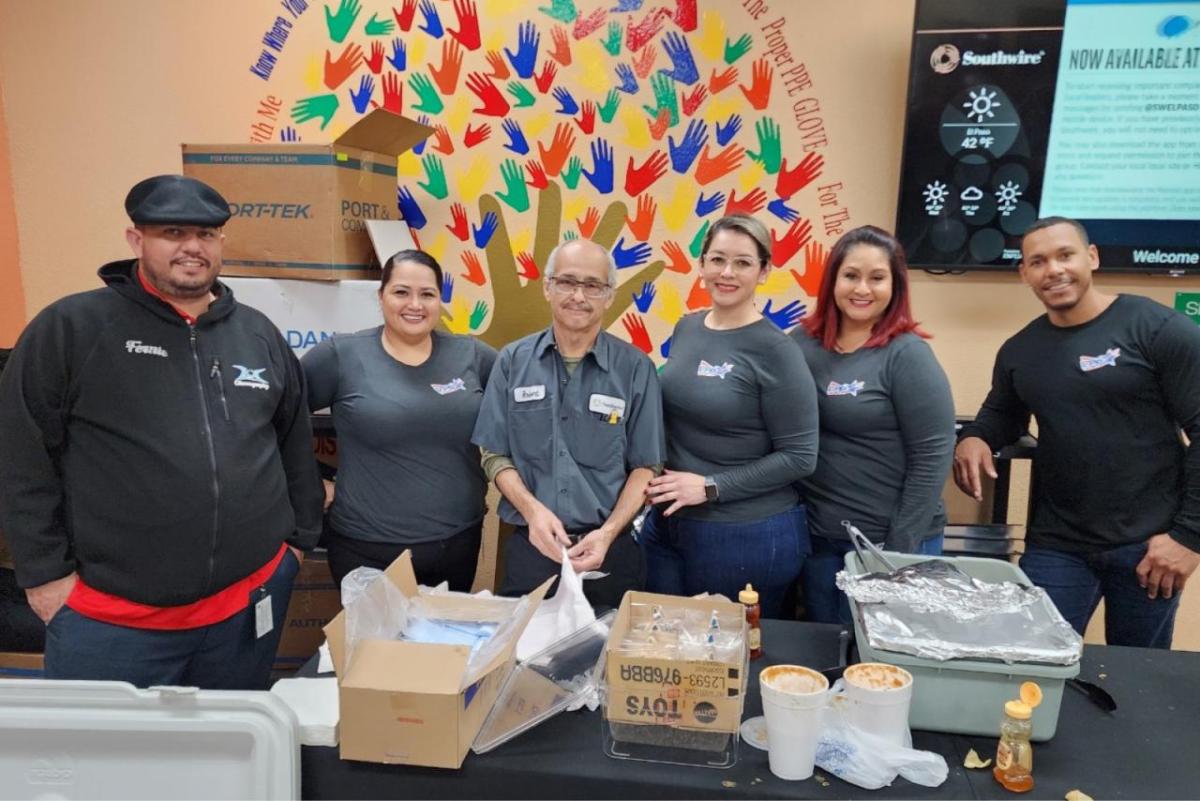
<point>710,489</point>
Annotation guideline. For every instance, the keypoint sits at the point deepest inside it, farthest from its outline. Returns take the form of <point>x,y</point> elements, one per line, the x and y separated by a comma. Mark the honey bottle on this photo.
<point>749,599</point>
<point>1014,754</point>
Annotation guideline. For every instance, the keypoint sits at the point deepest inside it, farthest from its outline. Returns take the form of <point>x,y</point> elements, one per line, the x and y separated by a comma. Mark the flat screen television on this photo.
<point>1020,109</point>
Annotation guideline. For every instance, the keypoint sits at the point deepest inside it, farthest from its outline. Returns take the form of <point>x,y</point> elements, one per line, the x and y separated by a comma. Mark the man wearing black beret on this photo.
<point>158,482</point>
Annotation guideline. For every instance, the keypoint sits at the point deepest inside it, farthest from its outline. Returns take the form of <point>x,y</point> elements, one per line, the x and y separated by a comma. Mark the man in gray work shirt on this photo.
<point>571,431</point>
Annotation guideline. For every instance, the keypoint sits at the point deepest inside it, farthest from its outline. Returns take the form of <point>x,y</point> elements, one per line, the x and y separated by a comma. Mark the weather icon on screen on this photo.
<point>981,104</point>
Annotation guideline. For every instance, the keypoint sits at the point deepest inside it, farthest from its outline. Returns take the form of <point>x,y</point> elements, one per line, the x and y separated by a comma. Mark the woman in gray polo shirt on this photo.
<point>887,417</point>
<point>740,411</point>
<point>404,399</point>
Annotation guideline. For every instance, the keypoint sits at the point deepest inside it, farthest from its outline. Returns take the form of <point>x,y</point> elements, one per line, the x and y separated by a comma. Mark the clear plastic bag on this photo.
<point>375,608</point>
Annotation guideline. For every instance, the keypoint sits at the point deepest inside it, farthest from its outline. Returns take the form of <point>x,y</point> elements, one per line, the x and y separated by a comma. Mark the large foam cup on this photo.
<point>793,702</point>
<point>878,697</point>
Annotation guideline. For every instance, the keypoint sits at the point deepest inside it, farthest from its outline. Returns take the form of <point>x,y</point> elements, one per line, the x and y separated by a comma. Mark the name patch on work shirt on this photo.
<point>530,393</point>
<point>707,370</point>
<point>851,388</point>
<point>457,385</point>
<point>607,405</point>
<point>1107,359</point>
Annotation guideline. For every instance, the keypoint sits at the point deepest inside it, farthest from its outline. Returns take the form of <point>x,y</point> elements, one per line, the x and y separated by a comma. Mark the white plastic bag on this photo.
<point>565,613</point>
<point>868,761</point>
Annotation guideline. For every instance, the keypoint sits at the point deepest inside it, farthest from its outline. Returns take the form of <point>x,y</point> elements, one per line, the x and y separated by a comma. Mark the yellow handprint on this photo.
<point>678,210</point>
<point>521,241</point>
<point>753,177</point>
<point>459,319</point>
<point>719,108</point>
<point>472,179</point>
<point>408,164</point>
<point>712,36</point>
<point>312,74</point>
<point>668,305</point>
<point>437,248</point>
<point>779,282</point>
<point>458,114</point>
<point>595,67</point>
<point>637,131</point>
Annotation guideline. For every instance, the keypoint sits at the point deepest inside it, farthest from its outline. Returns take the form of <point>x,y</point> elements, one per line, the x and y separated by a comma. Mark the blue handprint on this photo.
<point>483,232</point>
<point>782,210</point>
<point>433,23</point>
<point>516,137</point>
<point>419,147</point>
<point>683,154</point>
<point>729,130</point>
<point>707,205</point>
<point>362,98</point>
<point>525,58</point>
<point>629,82</point>
<point>447,288</point>
<point>644,298</point>
<point>566,102</point>
<point>786,317</point>
<point>632,257</point>
<point>627,6</point>
<point>683,65</point>
<point>601,176</point>
<point>288,134</point>
<point>665,348</point>
<point>399,57</point>
<point>410,211</point>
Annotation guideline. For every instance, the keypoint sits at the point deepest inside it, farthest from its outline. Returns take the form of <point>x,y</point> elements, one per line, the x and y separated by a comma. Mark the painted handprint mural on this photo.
<point>633,123</point>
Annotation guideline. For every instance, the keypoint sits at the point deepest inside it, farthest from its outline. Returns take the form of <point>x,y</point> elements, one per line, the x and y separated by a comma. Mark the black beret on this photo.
<point>166,199</point>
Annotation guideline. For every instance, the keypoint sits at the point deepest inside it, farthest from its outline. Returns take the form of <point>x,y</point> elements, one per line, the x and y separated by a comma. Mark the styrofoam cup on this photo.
<point>878,697</point>
<point>793,701</point>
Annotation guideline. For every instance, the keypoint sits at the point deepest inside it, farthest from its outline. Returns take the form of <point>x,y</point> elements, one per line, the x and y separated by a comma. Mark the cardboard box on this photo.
<point>310,312</point>
<point>315,601</point>
<point>401,702</point>
<point>300,211</point>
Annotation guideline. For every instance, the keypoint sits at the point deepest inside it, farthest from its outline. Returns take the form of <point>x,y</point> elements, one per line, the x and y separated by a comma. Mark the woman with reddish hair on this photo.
<point>887,416</point>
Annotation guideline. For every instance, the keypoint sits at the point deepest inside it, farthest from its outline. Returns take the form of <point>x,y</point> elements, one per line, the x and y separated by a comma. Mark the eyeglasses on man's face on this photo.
<point>591,289</point>
<point>718,262</point>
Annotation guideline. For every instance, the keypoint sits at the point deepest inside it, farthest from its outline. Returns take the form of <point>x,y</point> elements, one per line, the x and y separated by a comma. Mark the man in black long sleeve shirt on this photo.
<point>1116,494</point>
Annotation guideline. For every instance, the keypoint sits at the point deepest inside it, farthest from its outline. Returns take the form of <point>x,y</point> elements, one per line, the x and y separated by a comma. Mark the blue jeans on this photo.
<point>1076,582</point>
<point>223,656</point>
<point>686,557</point>
<point>823,601</point>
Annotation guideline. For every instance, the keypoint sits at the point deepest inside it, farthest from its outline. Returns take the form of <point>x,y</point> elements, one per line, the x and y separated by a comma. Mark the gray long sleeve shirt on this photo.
<point>740,406</point>
<point>887,441</point>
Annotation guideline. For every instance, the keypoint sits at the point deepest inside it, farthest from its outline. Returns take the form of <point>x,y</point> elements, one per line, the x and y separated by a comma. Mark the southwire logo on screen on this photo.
<point>1164,257</point>
<point>946,58</point>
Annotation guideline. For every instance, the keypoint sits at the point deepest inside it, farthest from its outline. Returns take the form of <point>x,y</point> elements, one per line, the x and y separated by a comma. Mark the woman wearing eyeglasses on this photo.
<point>404,399</point>
<point>887,416</point>
<point>741,417</point>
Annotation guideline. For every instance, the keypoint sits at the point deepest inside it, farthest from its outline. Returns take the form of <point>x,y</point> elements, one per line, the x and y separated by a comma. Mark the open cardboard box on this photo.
<point>401,702</point>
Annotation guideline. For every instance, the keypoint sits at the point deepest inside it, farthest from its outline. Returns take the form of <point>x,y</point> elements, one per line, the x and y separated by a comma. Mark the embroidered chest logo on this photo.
<point>1108,359</point>
<point>250,377</point>
<point>136,346</point>
<point>457,385</point>
<point>852,388</point>
<point>707,370</point>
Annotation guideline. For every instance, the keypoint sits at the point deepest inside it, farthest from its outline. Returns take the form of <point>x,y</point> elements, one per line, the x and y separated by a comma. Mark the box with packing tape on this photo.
<point>300,211</point>
<point>410,692</point>
<point>674,680</point>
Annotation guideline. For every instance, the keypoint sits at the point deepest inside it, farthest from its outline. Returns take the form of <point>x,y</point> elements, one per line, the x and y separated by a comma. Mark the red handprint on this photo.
<point>725,162</point>
<point>587,226</point>
<point>468,24</point>
<point>404,17</point>
<point>442,142</point>
<point>639,179</point>
<point>393,97</point>
<point>638,334</point>
<point>698,298</point>
<point>529,269</point>
<point>587,117</point>
<point>677,260</point>
<point>637,35</point>
<point>499,66</point>
<point>537,175</point>
<point>641,225</point>
<point>815,257</point>
<point>659,125</point>
<point>375,62</point>
<point>560,149</point>
<point>694,99</point>
<point>719,83</point>
<point>459,227</point>
<point>562,46</point>
<point>474,272</point>
<point>795,238</point>
<point>759,90</point>
<point>644,61</point>
<point>474,136</point>
<point>336,72</point>
<point>544,79</point>
<point>446,76</point>
<point>790,182</point>
<point>584,26</point>
<point>494,104</point>
<point>750,204</point>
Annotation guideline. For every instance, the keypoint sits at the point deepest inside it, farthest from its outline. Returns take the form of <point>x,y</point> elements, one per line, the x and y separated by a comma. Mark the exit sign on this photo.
<point>1189,304</point>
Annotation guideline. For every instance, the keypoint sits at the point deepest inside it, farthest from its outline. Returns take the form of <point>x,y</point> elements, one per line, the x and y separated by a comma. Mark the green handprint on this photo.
<point>735,50</point>
<point>698,241</point>
<point>339,24</point>
<point>570,236</point>
<point>514,194</point>
<point>609,109</point>
<point>770,152</point>
<point>429,101</point>
<point>561,10</point>
<point>664,97</point>
<point>523,96</point>
<point>612,43</point>
<point>436,175</point>
<point>323,106</point>
<point>571,174</point>
<point>478,315</point>
<point>379,27</point>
